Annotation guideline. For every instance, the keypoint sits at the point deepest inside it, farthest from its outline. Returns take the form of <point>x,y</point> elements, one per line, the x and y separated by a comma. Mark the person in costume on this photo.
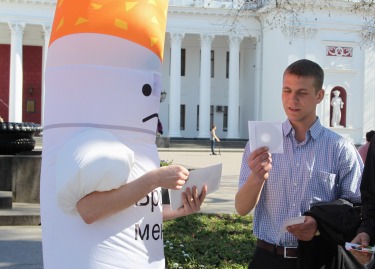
<point>101,177</point>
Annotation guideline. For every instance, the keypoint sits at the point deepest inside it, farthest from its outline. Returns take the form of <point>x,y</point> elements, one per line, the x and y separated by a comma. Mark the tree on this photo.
<point>366,8</point>
<point>287,15</point>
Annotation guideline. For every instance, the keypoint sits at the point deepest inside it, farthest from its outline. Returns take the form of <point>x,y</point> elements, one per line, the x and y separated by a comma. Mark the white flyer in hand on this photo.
<point>291,221</point>
<point>263,133</point>
<point>360,248</point>
<point>210,176</point>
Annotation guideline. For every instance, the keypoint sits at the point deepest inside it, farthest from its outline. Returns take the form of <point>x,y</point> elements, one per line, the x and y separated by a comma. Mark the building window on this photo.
<point>212,63</point>
<point>227,65</point>
<point>225,118</point>
<point>183,62</point>
<point>197,117</point>
<point>182,117</point>
<point>211,116</point>
<point>30,106</point>
<point>239,65</point>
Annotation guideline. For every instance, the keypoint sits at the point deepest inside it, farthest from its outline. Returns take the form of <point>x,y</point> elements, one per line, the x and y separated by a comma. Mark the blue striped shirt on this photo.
<point>322,168</point>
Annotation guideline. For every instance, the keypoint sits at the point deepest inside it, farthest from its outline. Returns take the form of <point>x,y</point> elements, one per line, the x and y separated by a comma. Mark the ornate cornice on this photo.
<point>299,32</point>
<point>211,8</point>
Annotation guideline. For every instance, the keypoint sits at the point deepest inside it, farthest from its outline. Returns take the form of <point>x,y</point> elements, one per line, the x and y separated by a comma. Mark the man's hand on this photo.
<point>304,231</point>
<point>192,201</point>
<point>260,162</point>
<point>191,204</point>
<point>364,240</point>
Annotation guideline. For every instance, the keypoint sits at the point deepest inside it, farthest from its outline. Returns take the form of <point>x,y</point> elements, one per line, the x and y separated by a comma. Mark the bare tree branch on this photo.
<point>366,8</point>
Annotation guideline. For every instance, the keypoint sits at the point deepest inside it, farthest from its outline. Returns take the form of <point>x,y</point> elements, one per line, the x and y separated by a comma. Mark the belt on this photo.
<point>286,252</point>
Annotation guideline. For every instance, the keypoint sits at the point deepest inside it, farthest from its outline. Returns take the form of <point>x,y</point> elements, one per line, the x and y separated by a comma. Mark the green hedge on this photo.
<point>214,241</point>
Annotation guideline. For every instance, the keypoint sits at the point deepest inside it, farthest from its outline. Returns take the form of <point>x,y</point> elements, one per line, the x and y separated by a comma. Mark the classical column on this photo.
<point>233,95</point>
<point>258,75</point>
<point>175,85</point>
<point>205,87</point>
<point>349,112</point>
<point>325,109</point>
<point>46,35</point>
<point>16,73</point>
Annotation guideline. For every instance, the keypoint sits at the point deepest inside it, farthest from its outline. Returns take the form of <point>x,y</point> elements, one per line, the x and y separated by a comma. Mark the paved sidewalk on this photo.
<point>221,201</point>
<point>21,247</point>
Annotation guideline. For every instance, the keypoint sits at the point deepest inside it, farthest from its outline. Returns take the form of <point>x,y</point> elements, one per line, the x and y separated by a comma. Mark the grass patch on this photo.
<point>208,241</point>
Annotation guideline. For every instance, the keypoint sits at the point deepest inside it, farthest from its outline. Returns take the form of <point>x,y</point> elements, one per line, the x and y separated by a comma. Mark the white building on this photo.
<point>205,83</point>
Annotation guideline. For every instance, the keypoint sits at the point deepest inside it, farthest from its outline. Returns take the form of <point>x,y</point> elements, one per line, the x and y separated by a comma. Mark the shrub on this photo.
<point>211,241</point>
<point>165,163</point>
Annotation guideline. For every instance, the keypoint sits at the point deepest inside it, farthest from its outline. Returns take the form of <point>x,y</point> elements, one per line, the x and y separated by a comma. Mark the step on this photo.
<point>21,214</point>
<point>6,200</point>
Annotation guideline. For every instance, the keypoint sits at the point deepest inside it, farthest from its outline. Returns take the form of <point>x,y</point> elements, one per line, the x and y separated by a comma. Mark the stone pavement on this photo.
<point>21,247</point>
<point>221,201</point>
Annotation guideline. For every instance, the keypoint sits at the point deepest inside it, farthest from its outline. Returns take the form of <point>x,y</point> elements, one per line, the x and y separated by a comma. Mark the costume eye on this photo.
<point>146,90</point>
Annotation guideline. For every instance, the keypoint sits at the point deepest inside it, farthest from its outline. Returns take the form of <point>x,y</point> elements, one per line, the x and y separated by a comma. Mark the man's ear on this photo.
<point>320,96</point>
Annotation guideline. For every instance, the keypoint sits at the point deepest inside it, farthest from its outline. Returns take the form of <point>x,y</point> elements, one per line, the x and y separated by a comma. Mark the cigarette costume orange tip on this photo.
<point>103,84</point>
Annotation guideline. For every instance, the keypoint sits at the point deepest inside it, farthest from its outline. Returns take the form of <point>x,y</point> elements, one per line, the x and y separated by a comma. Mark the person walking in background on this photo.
<point>214,138</point>
<point>317,165</point>
<point>363,149</point>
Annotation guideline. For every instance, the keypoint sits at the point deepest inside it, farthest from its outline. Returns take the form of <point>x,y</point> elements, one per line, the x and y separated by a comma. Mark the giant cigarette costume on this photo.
<point>103,86</point>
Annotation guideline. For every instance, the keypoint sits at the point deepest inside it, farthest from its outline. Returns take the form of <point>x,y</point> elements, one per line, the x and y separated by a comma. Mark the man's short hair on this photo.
<point>369,135</point>
<point>307,68</point>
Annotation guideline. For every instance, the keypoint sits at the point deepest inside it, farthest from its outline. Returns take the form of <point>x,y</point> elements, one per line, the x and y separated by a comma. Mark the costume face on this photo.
<point>109,95</point>
<point>300,98</point>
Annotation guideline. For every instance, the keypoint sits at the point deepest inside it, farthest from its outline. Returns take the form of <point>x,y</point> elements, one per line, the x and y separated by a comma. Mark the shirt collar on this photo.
<point>314,130</point>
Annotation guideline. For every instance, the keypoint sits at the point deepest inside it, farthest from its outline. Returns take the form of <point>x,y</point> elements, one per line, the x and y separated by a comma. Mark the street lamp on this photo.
<point>163,95</point>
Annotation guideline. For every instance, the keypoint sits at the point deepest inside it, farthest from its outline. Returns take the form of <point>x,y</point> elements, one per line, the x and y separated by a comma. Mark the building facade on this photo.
<point>223,65</point>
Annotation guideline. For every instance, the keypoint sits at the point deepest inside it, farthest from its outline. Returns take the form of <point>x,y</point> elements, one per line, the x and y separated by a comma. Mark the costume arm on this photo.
<point>92,172</point>
<point>98,205</point>
<point>92,161</point>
